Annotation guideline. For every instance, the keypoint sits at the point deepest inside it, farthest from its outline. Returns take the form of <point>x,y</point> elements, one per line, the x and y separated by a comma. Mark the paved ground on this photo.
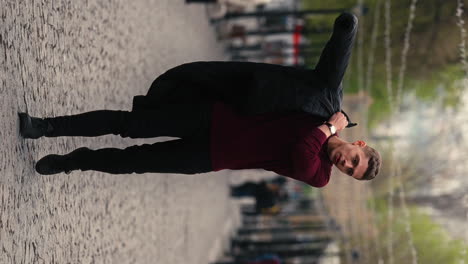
<point>65,57</point>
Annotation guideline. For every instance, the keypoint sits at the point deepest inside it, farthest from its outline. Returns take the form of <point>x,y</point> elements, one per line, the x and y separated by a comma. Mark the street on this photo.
<point>66,57</point>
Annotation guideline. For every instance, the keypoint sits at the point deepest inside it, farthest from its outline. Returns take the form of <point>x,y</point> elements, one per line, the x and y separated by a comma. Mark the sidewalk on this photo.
<point>67,57</point>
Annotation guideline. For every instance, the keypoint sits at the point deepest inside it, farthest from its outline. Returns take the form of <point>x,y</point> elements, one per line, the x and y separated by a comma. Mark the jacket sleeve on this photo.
<point>337,52</point>
<point>306,160</point>
<point>234,83</point>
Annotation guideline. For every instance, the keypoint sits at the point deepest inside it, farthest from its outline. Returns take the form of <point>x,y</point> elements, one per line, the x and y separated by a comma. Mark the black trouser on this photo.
<point>246,189</point>
<point>188,155</point>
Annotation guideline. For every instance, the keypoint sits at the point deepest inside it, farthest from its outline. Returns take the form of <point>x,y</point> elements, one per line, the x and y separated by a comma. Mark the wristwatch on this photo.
<point>331,127</point>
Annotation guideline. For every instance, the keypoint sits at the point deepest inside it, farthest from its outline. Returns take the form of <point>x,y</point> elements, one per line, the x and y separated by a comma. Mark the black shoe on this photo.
<point>52,164</point>
<point>33,127</point>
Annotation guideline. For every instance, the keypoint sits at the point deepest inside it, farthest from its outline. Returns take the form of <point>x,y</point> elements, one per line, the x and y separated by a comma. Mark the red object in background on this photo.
<point>296,40</point>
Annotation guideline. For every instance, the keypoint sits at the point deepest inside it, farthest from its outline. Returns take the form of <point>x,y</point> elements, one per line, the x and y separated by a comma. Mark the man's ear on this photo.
<point>360,143</point>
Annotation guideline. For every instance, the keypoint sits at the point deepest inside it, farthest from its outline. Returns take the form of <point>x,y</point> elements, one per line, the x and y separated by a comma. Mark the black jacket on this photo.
<point>254,88</point>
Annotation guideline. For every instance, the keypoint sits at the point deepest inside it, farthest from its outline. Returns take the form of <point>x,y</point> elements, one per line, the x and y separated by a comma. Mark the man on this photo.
<point>227,120</point>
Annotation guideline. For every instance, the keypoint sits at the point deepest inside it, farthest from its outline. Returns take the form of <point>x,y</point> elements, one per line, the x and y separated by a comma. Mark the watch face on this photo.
<point>333,129</point>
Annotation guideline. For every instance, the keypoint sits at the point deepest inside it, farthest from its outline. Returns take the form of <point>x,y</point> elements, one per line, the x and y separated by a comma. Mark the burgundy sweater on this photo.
<point>288,144</point>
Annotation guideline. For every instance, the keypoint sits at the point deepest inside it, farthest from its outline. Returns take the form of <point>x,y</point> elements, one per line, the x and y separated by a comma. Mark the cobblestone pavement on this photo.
<point>65,57</point>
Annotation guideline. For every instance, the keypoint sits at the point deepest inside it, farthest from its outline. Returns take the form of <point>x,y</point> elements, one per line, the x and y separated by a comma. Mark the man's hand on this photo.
<point>338,120</point>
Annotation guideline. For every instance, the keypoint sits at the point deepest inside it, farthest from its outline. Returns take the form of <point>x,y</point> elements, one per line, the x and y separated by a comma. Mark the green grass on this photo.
<point>433,244</point>
<point>432,69</point>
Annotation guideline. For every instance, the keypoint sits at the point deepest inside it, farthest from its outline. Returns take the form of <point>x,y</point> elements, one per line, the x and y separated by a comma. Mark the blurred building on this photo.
<point>270,39</point>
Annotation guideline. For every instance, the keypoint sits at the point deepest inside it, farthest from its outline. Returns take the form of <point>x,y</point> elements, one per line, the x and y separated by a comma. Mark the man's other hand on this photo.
<point>338,120</point>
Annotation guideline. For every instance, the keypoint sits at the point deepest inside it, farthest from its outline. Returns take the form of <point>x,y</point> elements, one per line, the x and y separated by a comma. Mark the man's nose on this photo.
<point>347,164</point>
